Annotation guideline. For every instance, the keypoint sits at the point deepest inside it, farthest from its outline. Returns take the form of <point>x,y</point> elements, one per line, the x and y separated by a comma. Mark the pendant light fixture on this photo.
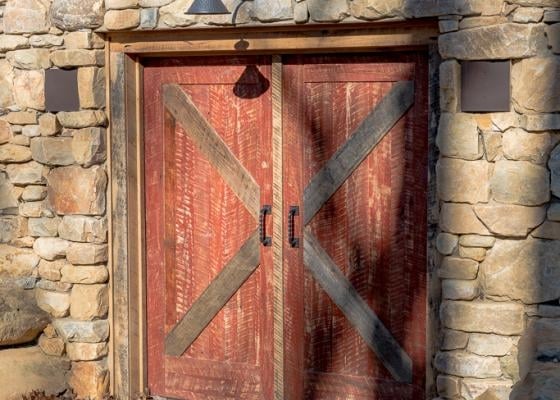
<point>207,7</point>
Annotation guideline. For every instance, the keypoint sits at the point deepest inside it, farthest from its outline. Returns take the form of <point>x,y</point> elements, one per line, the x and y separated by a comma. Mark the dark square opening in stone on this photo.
<point>61,90</point>
<point>485,86</point>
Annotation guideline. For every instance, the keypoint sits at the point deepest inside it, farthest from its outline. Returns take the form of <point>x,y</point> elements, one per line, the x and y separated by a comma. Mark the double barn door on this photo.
<point>286,227</point>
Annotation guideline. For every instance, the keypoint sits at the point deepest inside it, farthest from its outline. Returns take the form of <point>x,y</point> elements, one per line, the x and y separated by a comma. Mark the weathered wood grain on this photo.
<point>360,315</point>
<point>374,127</point>
<point>211,301</point>
<point>213,147</point>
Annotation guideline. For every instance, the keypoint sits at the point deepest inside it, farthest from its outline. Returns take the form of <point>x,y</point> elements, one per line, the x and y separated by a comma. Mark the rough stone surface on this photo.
<point>267,11</point>
<point>461,219</point>
<point>16,262</point>
<point>21,321</point>
<point>91,87</point>
<point>54,286</point>
<point>553,35</point>
<point>78,40</point>
<point>51,248</point>
<point>540,122</point>
<point>172,15</point>
<point>148,18</point>
<point>82,331</point>
<point>554,166</point>
<point>14,153</point>
<point>532,88</point>
<point>523,270</point>
<point>491,345</point>
<point>463,181</point>
<point>7,196</point>
<point>51,269</point>
<point>89,379</point>
<point>29,88</point>
<point>122,19</point>
<point>83,229</point>
<point>46,227</point>
<point>26,16</point>
<point>22,117</point>
<point>448,386</point>
<point>446,243</point>
<point>48,125</point>
<point>523,146</point>
<point>81,119</point>
<point>453,289</point>
<point>332,11</point>
<point>51,346</point>
<point>89,302</point>
<point>486,389</point>
<point>502,41</point>
<point>6,77</point>
<point>548,230</point>
<point>483,317</point>
<point>477,241</point>
<point>510,220</point>
<point>5,132</point>
<point>372,9</point>
<point>29,370</point>
<point>520,182</point>
<point>34,193</point>
<point>458,136</point>
<point>12,42</point>
<point>553,213</point>
<point>87,254</point>
<point>525,15</point>
<point>449,84</point>
<point>88,146</point>
<point>52,150</point>
<point>84,274</point>
<point>29,59</point>
<point>69,14</point>
<point>454,340</point>
<point>75,190</point>
<point>76,58</point>
<point>55,303</point>
<point>467,365</point>
<point>86,351</point>
<point>474,253</point>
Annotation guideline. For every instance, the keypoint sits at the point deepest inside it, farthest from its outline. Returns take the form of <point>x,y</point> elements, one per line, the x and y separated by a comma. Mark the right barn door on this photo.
<point>355,199</point>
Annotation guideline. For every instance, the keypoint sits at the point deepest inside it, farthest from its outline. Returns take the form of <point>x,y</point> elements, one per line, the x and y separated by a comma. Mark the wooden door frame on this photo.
<point>124,52</point>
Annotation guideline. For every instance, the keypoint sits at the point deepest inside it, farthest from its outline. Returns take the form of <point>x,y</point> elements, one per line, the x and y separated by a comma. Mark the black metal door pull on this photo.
<point>265,240</point>
<point>294,241</point>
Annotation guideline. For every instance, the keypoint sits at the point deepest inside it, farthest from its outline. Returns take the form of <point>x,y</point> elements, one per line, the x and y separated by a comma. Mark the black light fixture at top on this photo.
<point>207,7</point>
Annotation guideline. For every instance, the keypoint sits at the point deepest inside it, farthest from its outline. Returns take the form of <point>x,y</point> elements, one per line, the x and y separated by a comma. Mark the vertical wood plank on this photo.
<point>278,232</point>
<point>119,209</point>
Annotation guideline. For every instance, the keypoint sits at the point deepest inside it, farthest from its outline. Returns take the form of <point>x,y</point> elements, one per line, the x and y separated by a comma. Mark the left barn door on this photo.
<point>208,178</point>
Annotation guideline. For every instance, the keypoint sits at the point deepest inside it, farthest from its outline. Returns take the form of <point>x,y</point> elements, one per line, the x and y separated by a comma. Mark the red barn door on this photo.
<point>353,259</point>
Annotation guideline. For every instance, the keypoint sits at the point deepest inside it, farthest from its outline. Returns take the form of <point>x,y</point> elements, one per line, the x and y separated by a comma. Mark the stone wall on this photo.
<point>498,179</point>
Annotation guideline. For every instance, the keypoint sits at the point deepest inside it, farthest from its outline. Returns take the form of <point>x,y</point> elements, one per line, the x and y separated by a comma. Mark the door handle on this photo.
<point>265,240</point>
<point>294,241</point>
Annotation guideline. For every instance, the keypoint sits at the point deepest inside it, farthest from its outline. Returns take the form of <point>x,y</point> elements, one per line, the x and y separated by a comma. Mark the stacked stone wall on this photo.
<point>498,181</point>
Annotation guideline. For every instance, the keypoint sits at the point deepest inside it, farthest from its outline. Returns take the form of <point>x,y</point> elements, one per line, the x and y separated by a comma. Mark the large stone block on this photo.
<point>46,41</point>
<point>486,389</point>
<point>82,331</point>
<point>454,289</point>
<point>122,19</point>
<point>29,88</point>
<point>483,317</point>
<point>504,41</point>
<point>11,153</point>
<point>77,58</point>
<point>87,253</point>
<point>446,243</point>
<point>51,269</point>
<point>46,227</point>
<point>78,228</point>
<point>76,190</point>
<point>540,122</point>
<point>5,130</point>
<point>89,302</point>
<point>51,346</point>
<point>26,369</point>
<point>12,42</point>
<point>458,136</point>
<point>490,344</point>
<point>89,379</point>
<point>81,119</point>
<point>21,321</point>
<point>461,219</point>
<point>86,351</point>
<point>48,125</point>
<point>172,15</point>
<point>16,262</point>
<point>29,59</point>
<point>11,228</point>
<point>510,220</point>
<point>91,87</point>
<point>69,14</point>
<point>520,145</point>
<point>84,274</point>
<point>533,90</point>
<point>554,165</point>
<point>522,270</point>
<point>52,150</point>
<point>454,340</point>
<point>26,16</point>
<point>8,197</point>
<point>331,11</point>
<point>378,9</point>
<point>50,248</point>
<point>22,117</point>
<point>55,303</point>
<point>24,174</point>
<point>6,79</point>
<point>88,146</point>
<point>549,230</point>
<point>463,181</point>
<point>520,182</point>
<point>467,365</point>
<point>449,86</point>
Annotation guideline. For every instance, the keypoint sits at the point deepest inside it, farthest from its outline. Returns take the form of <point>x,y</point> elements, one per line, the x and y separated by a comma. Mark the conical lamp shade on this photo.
<point>207,7</point>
